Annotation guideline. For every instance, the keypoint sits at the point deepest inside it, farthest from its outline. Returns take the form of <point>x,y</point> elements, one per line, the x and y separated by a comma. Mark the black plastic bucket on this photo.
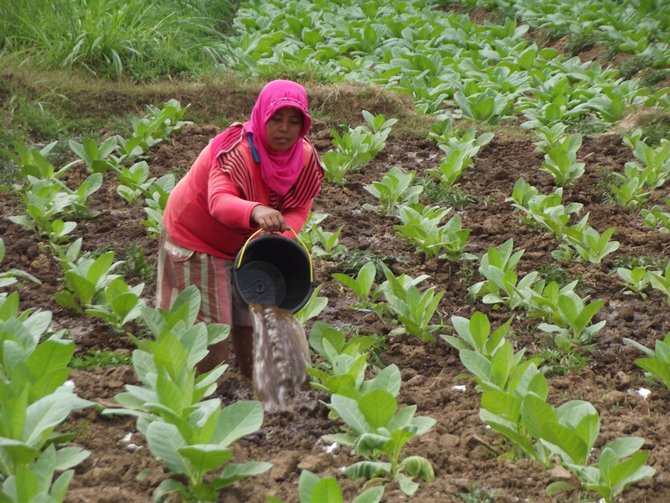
<point>273,269</point>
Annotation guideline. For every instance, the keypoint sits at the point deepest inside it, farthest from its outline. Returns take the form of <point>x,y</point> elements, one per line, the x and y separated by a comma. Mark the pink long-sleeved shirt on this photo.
<point>209,210</point>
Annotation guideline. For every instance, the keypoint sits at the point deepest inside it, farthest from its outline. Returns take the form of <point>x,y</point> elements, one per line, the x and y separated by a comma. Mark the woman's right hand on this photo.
<point>268,219</point>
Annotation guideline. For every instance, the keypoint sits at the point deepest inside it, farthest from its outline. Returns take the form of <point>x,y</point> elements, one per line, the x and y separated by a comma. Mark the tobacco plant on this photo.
<point>312,489</point>
<point>118,304</point>
<point>156,199</point>
<point>344,365</point>
<point>587,242</point>
<point>636,280</point>
<point>475,334</point>
<point>326,244</point>
<point>85,276</point>
<point>560,160</point>
<point>545,209</point>
<point>571,317</point>
<point>395,189</point>
<point>630,190</point>
<point>422,227</point>
<point>356,147</point>
<point>191,433</point>
<point>460,152</point>
<point>98,158</point>
<point>36,464</point>
<point>660,280</point>
<point>620,464</point>
<point>413,308</point>
<point>361,284</point>
<point>501,284</point>
<point>656,361</point>
<point>46,200</point>
<point>378,431</point>
<point>312,308</point>
<point>656,217</point>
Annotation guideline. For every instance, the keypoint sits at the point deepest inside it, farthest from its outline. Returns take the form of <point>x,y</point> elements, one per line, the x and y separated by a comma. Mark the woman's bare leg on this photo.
<point>243,344</point>
<point>218,353</point>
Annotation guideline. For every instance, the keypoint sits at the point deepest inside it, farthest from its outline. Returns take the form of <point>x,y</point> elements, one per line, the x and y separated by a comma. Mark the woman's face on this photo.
<point>283,128</point>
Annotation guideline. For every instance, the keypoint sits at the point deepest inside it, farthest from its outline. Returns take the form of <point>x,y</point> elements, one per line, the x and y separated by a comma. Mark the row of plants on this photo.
<point>635,27</point>
<point>36,460</point>
<point>514,403</point>
<point>449,65</point>
<point>412,308</point>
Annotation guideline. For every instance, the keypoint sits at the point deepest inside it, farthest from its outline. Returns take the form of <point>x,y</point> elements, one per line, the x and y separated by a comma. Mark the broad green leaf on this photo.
<point>165,441</point>
<point>238,420</point>
<point>327,490</point>
<point>371,495</point>
<point>206,457</point>
<point>420,467</point>
<point>348,410</point>
<point>306,485</point>
<point>48,412</point>
<point>367,470</point>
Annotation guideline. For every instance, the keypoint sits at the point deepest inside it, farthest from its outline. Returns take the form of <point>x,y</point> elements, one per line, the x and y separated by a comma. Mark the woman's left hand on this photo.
<point>269,219</point>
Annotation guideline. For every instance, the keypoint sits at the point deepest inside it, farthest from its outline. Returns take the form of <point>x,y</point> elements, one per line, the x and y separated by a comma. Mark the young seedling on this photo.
<point>475,334</point>
<point>361,285</point>
<point>414,309</point>
<point>312,489</point>
<point>656,361</point>
<point>118,304</point>
<point>85,277</point>
<point>560,160</point>
<point>660,280</point>
<point>422,228</point>
<point>313,308</point>
<point>620,464</point>
<point>571,321</point>
<point>656,217</point>
<point>378,432</point>
<point>98,159</point>
<point>395,189</point>
<point>636,280</point>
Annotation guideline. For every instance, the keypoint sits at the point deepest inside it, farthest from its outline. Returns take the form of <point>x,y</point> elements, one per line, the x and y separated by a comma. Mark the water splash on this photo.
<point>281,355</point>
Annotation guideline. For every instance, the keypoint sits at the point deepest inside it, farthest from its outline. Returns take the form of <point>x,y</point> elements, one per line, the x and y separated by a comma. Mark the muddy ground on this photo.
<point>468,459</point>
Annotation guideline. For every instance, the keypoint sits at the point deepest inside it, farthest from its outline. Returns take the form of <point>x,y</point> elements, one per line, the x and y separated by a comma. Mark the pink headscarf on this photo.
<point>279,170</point>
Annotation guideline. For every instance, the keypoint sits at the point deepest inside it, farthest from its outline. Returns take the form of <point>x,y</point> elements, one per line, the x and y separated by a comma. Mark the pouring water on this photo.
<point>280,355</point>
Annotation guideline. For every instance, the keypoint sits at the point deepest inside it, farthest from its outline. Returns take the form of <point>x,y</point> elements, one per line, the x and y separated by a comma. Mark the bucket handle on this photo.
<point>298,239</point>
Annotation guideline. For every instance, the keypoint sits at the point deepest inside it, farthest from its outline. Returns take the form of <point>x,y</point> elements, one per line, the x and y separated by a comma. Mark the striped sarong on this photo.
<point>179,267</point>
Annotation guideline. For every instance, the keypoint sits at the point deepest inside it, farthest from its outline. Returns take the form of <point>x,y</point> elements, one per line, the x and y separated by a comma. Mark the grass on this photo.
<point>437,193</point>
<point>477,494</point>
<point>135,264</point>
<point>139,39</point>
<point>98,358</point>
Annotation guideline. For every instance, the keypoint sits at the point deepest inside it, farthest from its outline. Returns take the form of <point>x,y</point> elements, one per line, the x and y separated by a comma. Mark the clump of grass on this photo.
<point>477,494</point>
<point>97,358</point>
<point>629,262</point>
<point>655,128</point>
<point>437,193</point>
<point>558,363</point>
<point>630,66</point>
<point>136,265</point>
<point>654,76</point>
<point>579,42</point>
<point>140,39</point>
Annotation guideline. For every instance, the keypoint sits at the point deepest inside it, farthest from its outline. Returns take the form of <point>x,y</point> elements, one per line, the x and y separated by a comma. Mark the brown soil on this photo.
<point>462,451</point>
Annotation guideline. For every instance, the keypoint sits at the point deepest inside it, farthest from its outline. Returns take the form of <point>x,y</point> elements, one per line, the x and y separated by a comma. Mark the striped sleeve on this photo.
<point>308,184</point>
<point>233,164</point>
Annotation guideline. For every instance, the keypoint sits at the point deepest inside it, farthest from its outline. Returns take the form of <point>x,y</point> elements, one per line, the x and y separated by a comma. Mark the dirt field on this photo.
<point>460,447</point>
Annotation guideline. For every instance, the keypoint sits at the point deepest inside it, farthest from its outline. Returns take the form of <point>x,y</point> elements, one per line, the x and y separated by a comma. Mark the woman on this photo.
<point>264,174</point>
